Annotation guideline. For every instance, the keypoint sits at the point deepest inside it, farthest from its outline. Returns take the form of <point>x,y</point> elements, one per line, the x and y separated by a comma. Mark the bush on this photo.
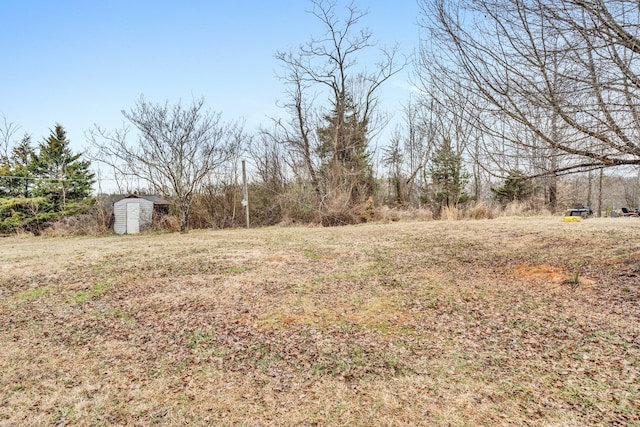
<point>449,213</point>
<point>385,213</point>
<point>37,214</point>
<point>166,223</point>
<point>368,211</point>
<point>518,209</point>
<point>481,210</point>
<point>95,222</point>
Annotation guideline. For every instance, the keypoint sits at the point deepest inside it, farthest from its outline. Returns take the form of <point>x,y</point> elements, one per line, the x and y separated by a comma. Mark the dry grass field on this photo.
<point>511,321</point>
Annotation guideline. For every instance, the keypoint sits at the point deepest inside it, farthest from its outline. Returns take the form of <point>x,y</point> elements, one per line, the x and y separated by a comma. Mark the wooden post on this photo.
<point>245,202</point>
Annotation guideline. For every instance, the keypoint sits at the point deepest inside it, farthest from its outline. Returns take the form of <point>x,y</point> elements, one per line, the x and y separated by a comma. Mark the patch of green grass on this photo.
<point>235,270</point>
<point>381,326</point>
<point>182,365</point>
<point>97,290</point>
<point>33,294</point>
<point>577,396</point>
<point>574,280</point>
<point>312,255</point>
<point>623,404</point>
<point>116,313</point>
<point>63,415</point>
<point>269,359</point>
<point>200,338</point>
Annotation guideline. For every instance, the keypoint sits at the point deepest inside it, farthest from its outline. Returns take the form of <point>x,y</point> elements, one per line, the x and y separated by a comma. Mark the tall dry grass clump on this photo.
<point>387,214</point>
<point>472,210</point>
<point>95,222</point>
<point>338,210</point>
<point>169,223</point>
<point>72,226</point>
<point>523,209</point>
<point>481,210</point>
<point>423,214</point>
<point>450,213</point>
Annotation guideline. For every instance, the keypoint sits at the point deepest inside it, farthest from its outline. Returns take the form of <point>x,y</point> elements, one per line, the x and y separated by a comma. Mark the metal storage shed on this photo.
<point>134,213</point>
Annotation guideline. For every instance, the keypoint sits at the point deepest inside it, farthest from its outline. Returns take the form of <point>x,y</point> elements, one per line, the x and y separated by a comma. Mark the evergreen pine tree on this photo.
<point>62,176</point>
<point>16,177</point>
<point>516,187</point>
<point>343,148</point>
<point>448,177</point>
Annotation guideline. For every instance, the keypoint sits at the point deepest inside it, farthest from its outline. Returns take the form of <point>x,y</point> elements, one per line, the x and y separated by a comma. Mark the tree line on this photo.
<point>41,183</point>
<point>510,96</point>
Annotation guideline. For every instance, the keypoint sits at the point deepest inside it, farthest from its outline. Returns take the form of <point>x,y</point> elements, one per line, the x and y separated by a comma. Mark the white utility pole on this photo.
<point>245,202</point>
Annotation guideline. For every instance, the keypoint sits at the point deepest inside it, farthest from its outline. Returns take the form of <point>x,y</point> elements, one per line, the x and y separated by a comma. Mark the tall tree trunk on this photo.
<point>589,183</point>
<point>183,213</point>
<point>553,193</point>
<point>600,179</point>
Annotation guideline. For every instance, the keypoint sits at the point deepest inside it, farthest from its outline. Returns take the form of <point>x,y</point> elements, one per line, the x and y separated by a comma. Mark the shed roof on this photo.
<point>150,197</point>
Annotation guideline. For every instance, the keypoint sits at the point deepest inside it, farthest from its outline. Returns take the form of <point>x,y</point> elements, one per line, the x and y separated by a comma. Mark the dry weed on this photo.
<point>481,210</point>
<point>523,209</point>
<point>79,225</point>
<point>169,223</point>
<point>449,213</point>
<point>388,214</point>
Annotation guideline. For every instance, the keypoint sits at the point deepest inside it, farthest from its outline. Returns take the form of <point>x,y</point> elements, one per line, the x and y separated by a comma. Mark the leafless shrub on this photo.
<point>338,210</point>
<point>80,225</point>
<point>95,222</point>
<point>387,214</point>
<point>524,209</point>
<point>419,214</point>
<point>22,233</point>
<point>481,210</point>
<point>166,223</point>
<point>450,213</point>
<point>423,214</point>
<point>218,206</point>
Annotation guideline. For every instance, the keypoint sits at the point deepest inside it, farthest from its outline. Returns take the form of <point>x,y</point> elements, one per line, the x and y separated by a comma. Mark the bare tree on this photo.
<point>8,131</point>
<point>332,139</point>
<point>269,162</point>
<point>297,133</point>
<point>177,151</point>
<point>564,70</point>
<point>419,141</point>
<point>406,158</point>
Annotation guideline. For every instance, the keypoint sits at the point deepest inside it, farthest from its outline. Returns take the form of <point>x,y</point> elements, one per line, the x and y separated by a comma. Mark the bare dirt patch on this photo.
<point>543,272</point>
<point>425,323</point>
<point>552,274</point>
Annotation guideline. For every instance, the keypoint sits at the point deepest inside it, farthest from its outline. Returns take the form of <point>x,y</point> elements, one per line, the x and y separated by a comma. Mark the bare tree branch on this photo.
<point>177,149</point>
<point>564,72</point>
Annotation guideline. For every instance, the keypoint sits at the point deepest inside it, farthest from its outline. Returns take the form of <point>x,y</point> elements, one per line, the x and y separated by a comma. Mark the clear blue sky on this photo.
<point>80,62</point>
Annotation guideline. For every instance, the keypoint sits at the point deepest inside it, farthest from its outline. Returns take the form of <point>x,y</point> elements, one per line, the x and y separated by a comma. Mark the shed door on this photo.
<point>133,218</point>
